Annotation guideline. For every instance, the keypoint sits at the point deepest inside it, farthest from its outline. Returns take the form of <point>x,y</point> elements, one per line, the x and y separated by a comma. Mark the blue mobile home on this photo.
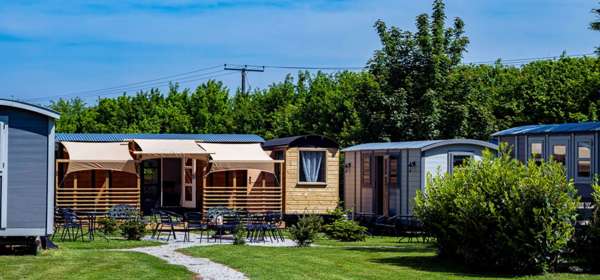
<point>26,171</point>
<point>573,144</point>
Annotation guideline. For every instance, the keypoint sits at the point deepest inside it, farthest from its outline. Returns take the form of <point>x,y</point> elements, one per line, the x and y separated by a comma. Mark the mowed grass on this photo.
<point>89,260</point>
<point>376,258</point>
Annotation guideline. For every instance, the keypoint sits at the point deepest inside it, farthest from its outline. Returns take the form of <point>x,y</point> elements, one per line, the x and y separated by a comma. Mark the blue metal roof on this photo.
<point>29,107</point>
<point>551,128</point>
<point>422,145</point>
<point>120,137</point>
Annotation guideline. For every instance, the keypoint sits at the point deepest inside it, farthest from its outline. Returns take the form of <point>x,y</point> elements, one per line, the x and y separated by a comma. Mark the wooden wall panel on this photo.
<point>316,199</point>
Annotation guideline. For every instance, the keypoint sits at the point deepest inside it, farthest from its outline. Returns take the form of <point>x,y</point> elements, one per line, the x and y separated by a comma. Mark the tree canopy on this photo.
<point>414,87</point>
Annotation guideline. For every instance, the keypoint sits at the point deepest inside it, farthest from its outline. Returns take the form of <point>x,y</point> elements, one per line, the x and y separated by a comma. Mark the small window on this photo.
<point>584,159</point>
<point>559,153</point>
<point>457,160</point>
<point>537,152</point>
<point>277,155</point>
<point>312,166</point>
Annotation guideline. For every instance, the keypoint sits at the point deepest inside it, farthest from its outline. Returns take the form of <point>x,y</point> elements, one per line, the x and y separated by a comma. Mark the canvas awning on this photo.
<point>99,156</point>
<point>238,157</point>
<point>157,148</point>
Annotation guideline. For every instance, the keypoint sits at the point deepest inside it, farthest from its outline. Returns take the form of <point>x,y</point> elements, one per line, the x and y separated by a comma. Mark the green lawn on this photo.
<point>83,260</point>
<point>348,260</point>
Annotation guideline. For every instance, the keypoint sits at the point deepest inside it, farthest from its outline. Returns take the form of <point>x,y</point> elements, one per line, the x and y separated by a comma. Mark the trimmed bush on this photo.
<point>305,231</point>
<point>239,236</point>
<point>343,229</point>
<point>500,214</point>
<point>133,229</point>
<point>108,225</point>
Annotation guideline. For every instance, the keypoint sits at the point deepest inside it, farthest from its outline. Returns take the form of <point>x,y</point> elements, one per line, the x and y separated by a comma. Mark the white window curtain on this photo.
<point>311,165</point>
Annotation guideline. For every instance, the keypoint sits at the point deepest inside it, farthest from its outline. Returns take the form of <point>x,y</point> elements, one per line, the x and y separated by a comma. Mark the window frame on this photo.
<point>451,156</point>
<point>536,140</point>
<point>590,159</point>
<point>304,183</point>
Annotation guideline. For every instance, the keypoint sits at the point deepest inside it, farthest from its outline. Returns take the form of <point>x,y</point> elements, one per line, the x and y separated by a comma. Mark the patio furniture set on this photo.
<point>221,222</point>
<point>75,225</point>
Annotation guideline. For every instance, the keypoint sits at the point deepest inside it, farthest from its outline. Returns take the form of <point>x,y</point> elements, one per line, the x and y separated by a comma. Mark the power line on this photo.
<point>119,90</point>
<point>526,60</point>
<point>140,83</point>
<point>304,67</point>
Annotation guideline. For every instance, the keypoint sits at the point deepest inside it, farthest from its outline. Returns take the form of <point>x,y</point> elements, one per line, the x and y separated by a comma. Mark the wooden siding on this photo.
<point>97,190</point>
<point>232,189</point>
<point>303,198</point>
<point>27,168</point>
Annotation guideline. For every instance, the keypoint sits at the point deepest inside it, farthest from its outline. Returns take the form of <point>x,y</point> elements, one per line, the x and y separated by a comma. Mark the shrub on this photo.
<point>133,229</point>
<point>108,225</point>
<point>586,242</point>
<point>239,237</point>
<point>346,230</point>
<point>343,229</point>
<point>305,230</point>
<point>499,214</point>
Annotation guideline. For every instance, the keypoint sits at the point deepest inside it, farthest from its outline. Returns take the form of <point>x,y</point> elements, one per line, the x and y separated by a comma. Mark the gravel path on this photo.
<point>207,269</point>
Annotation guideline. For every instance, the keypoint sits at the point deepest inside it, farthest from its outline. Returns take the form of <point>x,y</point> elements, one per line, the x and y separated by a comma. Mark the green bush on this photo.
<point>586,242</point>
<point>239,237</point>
<point>500,214</point>
<point>305,231</point>
<point>133,229</point>
<point>343,229</point>
<point>346,230</point>
<point>108,225</point>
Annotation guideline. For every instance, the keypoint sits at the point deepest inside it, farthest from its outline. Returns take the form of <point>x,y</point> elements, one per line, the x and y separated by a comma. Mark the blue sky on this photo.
<point>54,47</point>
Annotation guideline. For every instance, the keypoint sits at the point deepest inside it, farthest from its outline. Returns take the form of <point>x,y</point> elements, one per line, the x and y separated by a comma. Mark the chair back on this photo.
<point>121,212</point>
<point>165,217</point>
<point>193,218</point>
<point>70,218</point>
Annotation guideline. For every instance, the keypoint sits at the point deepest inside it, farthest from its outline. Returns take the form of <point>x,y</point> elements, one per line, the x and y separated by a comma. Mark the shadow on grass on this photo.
<point>437,265</point>
<point>393,249</point>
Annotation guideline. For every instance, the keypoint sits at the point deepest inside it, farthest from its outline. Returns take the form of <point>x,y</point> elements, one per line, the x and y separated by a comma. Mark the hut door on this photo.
<point>188,192</point>
<point>3,169</point>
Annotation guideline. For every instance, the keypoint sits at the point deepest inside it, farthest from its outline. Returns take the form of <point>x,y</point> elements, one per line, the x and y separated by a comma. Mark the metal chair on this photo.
<point>170,220</point>
<point>72,226</point>
<point>229,222</point>
<point>194,221</point>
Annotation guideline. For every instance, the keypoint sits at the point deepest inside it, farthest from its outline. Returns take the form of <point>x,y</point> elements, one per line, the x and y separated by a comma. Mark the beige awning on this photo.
<point>238,157</point>
<point>157,148</point>
<point>99,156</point>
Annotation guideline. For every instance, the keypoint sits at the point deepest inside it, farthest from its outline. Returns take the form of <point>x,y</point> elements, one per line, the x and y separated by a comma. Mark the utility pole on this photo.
<point>243,70</point>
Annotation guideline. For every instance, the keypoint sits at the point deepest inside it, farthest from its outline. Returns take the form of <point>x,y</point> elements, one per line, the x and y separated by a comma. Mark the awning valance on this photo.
<point>157,148</point>
<point>238,157</point>
<point>99,156</point>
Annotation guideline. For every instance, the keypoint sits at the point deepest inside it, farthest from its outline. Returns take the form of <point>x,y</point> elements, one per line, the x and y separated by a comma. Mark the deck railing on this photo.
<point>254,199</point>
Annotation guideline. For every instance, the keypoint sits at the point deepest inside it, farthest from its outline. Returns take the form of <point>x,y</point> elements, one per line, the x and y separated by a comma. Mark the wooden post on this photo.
<point>56,185</point>
<point>74,190</point>
<point>139,192</point>
<point>204,188</point>
<point>264,185</point>
<point>281,188</point>
<point>234,193</point>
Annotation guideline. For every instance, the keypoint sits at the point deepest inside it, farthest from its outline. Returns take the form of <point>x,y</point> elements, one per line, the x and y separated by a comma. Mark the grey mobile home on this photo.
<point>573,144</point>
<point>26,171</point>
<point>383,178</point>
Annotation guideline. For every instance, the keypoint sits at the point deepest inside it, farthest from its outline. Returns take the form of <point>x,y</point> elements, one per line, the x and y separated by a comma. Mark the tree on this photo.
<point>412,70</point>
<point>595,25</point>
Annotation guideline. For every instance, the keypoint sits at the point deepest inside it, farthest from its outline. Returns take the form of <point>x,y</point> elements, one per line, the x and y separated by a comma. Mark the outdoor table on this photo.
<point>91,217</point>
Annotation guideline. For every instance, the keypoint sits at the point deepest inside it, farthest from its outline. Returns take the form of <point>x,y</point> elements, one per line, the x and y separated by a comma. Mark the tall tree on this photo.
<point>412,69</point>
<point>595,25</point>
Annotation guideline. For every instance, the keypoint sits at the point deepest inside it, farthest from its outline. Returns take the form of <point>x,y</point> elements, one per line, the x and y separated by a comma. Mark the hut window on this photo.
<point>277,155</point>
<point>559,153</point>
<point>312,166</point>
<point>584,159</point>
<point>457,159</point>
<point>537,152</point>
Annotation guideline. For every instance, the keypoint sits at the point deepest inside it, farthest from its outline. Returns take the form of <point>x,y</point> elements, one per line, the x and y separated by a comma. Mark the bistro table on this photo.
<point>92,217</point>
